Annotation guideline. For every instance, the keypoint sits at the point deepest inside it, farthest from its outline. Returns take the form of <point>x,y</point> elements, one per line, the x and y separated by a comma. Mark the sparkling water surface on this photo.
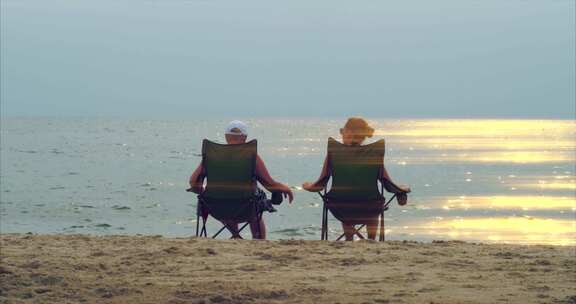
<point>507,181</point>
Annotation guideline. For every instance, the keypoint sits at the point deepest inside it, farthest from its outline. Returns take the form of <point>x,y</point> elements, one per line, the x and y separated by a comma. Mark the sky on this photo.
<point>297,58</point>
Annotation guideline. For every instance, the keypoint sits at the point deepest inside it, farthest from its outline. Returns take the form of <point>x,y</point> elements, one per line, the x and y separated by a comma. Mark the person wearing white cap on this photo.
<point>236,127</point>
<point>236,133</point>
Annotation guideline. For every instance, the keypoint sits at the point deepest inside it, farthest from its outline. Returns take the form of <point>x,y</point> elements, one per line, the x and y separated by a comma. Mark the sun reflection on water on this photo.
<point>485,143</point>
<point>522,157</point>
<point>485,140</point>
<point>526,230</point>
<point>480,128</point>
<point>569,185</point>
<point>512,202</point>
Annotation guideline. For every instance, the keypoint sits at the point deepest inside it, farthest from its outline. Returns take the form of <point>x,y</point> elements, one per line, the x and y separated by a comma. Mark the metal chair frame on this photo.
<point>381,230</point>
<point>201,231</point>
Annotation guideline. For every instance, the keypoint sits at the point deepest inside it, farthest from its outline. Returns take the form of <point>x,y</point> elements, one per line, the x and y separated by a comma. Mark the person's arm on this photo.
<point>384,174</point>
<point>385,178</point>
<point>196,180</point>
<point>269,183</point>
<point>321,182</point>
<point>399,190</point>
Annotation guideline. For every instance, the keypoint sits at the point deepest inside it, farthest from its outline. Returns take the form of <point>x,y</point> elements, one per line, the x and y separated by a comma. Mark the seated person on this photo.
<point>236,133</point>
<point>354,133</point>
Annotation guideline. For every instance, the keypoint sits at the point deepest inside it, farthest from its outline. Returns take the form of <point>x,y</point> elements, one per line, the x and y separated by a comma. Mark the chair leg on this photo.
<point>324,229</point>
<point>356,232</point>
<point>243,226</point>
<point>326,224</point>
<point>197,224</point>
<point>240,230</point>
<point>234,235</point>
<point>382,230</point>
<point>203,230</point>
<point>219,231</point>
<point>322,225</point>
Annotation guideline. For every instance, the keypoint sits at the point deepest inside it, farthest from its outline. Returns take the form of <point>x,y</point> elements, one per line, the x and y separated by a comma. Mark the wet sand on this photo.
<point>148,269</point>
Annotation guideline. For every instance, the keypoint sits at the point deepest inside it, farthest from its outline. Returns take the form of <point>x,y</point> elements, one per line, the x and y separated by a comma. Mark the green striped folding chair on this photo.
<point>230,180</point>
<point>354,196</point>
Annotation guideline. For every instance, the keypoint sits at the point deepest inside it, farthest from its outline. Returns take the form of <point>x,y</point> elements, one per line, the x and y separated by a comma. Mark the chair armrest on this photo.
<point>391,187</point>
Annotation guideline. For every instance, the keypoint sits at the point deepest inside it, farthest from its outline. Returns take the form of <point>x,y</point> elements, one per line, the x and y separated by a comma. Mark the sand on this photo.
<point>148,269</point>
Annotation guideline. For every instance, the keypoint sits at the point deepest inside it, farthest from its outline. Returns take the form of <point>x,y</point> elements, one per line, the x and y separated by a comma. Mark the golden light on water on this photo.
<point>512,202</point>
<point>487,143</point>
<point>509,229</point>
<point>497,157</point>
<point>569,185</point>
<point>480,128</point>
<point>522,157</point>
<point>486,140</point>
<point>468,141</point>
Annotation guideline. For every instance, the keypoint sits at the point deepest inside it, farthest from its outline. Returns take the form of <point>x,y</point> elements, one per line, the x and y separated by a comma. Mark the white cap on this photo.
<point>236,124</point>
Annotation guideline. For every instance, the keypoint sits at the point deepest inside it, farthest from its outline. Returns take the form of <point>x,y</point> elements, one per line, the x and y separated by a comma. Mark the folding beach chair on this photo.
<point>354,197</point>
<point>229,193</point>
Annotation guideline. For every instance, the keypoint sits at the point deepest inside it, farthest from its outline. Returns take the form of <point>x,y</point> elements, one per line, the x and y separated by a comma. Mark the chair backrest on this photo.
<point>230,170</point>
<point>355,170</point>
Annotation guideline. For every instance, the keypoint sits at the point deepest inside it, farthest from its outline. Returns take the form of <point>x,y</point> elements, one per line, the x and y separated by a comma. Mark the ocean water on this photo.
<point>507,181</point>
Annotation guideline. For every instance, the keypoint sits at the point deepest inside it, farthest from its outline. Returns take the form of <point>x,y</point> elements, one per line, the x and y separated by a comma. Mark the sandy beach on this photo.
<point>148,269</point>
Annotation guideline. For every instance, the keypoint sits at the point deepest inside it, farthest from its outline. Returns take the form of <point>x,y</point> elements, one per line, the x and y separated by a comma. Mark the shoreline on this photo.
<point>153,269</point>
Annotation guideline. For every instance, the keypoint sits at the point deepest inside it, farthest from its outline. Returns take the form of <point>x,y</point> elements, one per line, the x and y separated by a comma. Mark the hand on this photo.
<point>405,188</point>
<point>287,192</point>
<point>308,186</point>
<point>290,196</point>
<point>196,189</point>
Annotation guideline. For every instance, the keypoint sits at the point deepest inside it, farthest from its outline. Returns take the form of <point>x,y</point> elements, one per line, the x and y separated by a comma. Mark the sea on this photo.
<point>477,180</point>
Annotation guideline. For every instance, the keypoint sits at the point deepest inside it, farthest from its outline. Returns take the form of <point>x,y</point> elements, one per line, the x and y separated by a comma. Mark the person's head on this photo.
<point>236,132</point>
<point>356,131</point>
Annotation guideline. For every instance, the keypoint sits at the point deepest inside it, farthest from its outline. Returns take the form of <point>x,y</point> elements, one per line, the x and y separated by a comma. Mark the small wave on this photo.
<point>312,230</point>
<point>289,232</point>
<point>117,207</point>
